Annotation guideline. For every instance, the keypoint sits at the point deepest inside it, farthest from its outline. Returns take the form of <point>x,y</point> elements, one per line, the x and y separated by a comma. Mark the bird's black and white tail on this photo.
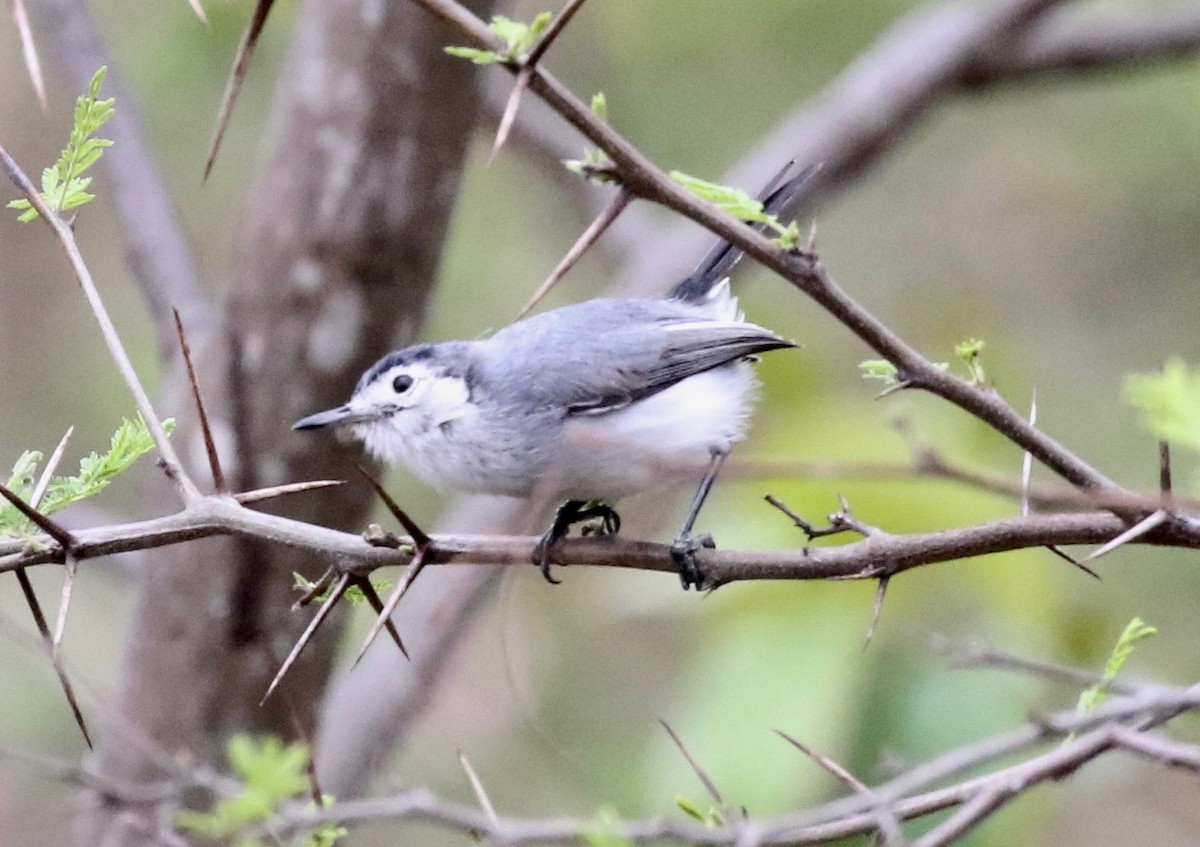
<point>720,261</point>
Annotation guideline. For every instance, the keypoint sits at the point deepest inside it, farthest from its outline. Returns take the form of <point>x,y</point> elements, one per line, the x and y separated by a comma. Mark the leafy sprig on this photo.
<point>63,184</point>
<point>710,816</point>
<point>1134,631</point>
<point>131,441</point>
<point>518,38</point>
<point>1169,402</point>
<point>595,164</point>
<point>969,352</point>
<point>272,773</point>
<point>741,205</point>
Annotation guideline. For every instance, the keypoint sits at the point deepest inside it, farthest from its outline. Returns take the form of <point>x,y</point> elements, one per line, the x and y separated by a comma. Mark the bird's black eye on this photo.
<point>402,383</point>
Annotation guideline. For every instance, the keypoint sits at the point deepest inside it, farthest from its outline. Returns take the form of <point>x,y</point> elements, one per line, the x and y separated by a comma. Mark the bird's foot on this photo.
<point>604,518</point>
<point>600,519</point>
<point>683,552</point>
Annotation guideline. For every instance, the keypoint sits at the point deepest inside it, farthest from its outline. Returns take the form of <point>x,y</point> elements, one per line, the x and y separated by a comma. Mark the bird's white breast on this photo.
<point>665,438</point>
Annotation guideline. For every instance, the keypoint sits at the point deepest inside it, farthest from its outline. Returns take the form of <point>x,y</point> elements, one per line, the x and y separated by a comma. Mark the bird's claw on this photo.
<point>607,522</point>
<point>541,553</point>
<point>683,552</point>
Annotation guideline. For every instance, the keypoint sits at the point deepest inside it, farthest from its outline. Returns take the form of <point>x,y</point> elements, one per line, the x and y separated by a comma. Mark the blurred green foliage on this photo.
<point>1050,218</point>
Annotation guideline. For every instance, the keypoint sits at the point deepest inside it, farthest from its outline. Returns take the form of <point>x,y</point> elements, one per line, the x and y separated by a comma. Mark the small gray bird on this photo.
<point>587,403</point>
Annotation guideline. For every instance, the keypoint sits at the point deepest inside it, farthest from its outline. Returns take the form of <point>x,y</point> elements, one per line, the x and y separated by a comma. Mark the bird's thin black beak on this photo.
<point>330,417</point>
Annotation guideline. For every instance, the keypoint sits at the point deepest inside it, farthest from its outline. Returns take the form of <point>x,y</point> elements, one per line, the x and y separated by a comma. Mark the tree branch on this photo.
<point>879,554</point>
<point>1117,724</point>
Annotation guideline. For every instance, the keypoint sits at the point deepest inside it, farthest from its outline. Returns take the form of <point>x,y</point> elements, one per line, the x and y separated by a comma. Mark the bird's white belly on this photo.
<point>663,439</point>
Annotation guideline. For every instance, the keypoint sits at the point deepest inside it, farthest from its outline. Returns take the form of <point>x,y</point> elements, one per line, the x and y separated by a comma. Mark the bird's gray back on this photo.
<point>606,353</point>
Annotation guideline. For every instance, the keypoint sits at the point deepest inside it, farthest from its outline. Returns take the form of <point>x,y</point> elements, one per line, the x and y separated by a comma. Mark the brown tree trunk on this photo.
<point>341,251</point>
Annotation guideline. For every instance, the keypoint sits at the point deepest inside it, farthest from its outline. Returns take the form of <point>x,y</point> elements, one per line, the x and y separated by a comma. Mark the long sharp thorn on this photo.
<point>1164,469</point>
<point>35,609</point>
<point>384,616</point>
<point>241,64</point>
<point>210,445</point>
<point>316,589</point>
<point>552,31</point>
<point>837,771</point>
<point>420,539</point>
<point>64,605</point>
<point>700,772</point>
<point>589,237</point>
<point>1058,551</point>
<point>368,590</point>
<point>260,494</point>
<point>1134,532</point>
<point>43,483</point>
<point>880,593</point>
<point>477,787</point>
<point>198,11</point>
<point>1027,461</point>
<point>510,110</point>
<point>322,613</point>
<point>51,528</point>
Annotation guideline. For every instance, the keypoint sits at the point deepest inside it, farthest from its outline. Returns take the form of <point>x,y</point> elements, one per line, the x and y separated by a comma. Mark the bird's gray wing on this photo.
<point>680,349</point>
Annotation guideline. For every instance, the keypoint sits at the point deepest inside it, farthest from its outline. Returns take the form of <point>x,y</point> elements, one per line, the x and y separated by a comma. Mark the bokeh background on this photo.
<point>1057,220</point>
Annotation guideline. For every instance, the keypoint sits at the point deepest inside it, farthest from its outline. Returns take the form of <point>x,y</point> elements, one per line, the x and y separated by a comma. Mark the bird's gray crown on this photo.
<point>449,358</point>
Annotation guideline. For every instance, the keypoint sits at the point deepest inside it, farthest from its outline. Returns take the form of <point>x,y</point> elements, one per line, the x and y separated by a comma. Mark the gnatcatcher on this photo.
<point>587,403</point>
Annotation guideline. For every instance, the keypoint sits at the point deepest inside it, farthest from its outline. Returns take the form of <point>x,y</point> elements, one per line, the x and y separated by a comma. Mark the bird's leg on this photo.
<point>684,547</point>
<point>569,513</point>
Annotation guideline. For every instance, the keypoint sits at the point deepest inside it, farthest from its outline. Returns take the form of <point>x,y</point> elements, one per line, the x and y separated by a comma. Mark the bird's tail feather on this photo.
<point>720,261</point>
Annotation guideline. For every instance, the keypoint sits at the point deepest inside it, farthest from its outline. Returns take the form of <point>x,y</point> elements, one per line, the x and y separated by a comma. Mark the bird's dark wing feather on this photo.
<point>689,347</point>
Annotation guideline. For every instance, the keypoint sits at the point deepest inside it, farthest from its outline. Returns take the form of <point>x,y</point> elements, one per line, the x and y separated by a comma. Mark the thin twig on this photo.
<point>170,461</point>
<point>29,51</point>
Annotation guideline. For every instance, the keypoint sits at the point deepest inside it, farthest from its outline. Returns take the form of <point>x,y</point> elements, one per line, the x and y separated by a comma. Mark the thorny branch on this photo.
<point>878,555</point>
<point>1119,724</point>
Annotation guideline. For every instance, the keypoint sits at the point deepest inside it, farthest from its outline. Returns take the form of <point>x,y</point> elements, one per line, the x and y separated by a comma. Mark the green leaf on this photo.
<point>479,57</point>
<point>130,442</point>
<point>518,39</point>
<point>600,106</point>
<point>595,164</point>
<point>271,772</point>
<point>1169,402</point>
<point>880,369</point>
<point>1134,631</point>
<point>741,205</point>
<point>63,187</point>
<point>710,817</point>
<point>968,353</point>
